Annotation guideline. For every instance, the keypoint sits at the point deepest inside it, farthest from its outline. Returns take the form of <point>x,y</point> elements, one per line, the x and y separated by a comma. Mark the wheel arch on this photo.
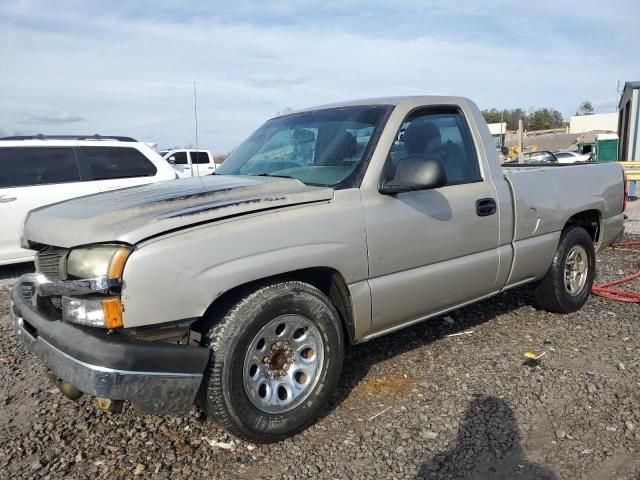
<point>590,220</point>
<point>326,279</point>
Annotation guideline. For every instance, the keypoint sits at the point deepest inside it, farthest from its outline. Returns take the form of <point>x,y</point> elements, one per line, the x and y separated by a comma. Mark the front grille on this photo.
<point>50,263</point>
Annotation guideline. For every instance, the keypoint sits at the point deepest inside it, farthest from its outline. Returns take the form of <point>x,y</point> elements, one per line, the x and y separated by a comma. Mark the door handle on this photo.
<point>4,199</point>
<point>486,207</point>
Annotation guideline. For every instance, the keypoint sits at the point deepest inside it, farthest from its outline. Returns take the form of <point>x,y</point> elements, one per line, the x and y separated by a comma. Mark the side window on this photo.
<point>118,162</point>
<point>20,167</point>
<point>199,157</point>
<point>443,135</point>
<point>542,157</point>
<point>179,158</point>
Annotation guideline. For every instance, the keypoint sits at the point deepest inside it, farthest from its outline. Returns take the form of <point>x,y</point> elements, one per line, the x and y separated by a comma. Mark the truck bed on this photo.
<point>556,192</point>
<point>546,197</point>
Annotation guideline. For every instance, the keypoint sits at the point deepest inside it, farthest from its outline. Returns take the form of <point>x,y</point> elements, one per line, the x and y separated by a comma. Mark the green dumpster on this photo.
<point>607,147</point>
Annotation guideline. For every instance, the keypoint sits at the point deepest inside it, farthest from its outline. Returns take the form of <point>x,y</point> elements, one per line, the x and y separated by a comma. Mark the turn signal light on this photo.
<point>112,310</point>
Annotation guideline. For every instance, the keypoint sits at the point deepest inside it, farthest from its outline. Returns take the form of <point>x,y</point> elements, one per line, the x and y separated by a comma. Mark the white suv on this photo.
<point>190,163</point>
<point>39,170</point>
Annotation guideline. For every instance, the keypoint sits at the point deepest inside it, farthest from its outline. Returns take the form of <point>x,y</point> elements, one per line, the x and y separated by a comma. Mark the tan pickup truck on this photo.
<point>328,226</point>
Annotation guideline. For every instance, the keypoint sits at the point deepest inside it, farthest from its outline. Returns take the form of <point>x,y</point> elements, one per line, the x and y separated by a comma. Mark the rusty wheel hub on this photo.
<point>279,360</point>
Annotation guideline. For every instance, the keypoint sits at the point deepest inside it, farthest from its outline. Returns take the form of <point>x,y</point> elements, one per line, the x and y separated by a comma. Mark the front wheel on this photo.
<point>567,284</point>
<point>276,356</point>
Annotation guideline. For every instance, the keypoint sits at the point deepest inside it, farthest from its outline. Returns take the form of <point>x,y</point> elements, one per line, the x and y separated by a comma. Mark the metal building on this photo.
<point>628,122</point>
<point>598,122</point>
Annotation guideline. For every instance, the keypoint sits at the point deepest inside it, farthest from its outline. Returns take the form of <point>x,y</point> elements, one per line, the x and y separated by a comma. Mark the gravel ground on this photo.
<point>415,404</point>
<point>632,226</point>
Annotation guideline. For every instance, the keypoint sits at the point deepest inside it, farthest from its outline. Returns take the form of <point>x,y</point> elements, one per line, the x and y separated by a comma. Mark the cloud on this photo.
<point>131,69</point>
<point>275,82</point>
<point>606,105</point>
<point>55,119</point>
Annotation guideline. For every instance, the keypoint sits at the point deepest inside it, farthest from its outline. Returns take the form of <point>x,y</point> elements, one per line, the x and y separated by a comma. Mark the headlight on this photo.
<point>95,311</point>
<point>99,261</point>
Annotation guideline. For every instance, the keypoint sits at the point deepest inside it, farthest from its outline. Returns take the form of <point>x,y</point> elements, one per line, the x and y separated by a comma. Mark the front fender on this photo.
<point>179,276</point>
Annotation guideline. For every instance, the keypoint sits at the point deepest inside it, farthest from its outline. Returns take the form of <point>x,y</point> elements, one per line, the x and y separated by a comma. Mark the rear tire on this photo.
<point>567,284</point>
<point>276,357</point>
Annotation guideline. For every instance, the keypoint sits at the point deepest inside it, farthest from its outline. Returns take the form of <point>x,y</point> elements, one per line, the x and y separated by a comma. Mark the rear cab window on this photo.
<point>199,157</point>
<point>26,166</point>
<point>117,162</point>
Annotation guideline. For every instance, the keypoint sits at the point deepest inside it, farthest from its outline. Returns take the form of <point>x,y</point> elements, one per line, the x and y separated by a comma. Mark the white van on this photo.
<point>40,170</point>
<point>189,162</point>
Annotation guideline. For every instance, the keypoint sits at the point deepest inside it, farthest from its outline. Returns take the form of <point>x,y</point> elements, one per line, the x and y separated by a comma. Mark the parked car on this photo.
<point>572,157</point>
<point>325,227</point>
<point>39,170</point>
<point>539,157</point>
<point>190,163</point>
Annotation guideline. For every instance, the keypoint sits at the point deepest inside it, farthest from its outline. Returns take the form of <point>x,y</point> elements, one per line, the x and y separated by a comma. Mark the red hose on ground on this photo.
<point>605,291</point>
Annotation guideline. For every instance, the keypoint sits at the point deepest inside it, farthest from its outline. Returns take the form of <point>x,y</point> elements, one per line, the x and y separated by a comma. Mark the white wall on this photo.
<point>497,128</point>
<point>607,122</point>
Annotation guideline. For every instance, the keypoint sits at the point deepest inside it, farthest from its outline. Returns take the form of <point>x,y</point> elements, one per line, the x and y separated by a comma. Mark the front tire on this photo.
<point>567,284</point>
<point>276,357</point>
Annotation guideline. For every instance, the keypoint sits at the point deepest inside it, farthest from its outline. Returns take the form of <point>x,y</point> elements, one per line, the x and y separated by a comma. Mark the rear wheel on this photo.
<point>276,356</point>
<point>567,284</point>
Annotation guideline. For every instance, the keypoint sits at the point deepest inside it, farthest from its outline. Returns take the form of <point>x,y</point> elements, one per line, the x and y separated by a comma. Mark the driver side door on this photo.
<point>180,162</point>
<point>431,250</point>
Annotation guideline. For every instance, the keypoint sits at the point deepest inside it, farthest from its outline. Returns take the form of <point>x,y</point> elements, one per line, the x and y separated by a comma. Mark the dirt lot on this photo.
<point>415,404</point>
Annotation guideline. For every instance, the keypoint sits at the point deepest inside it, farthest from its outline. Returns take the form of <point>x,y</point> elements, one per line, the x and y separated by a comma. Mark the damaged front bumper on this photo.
<point>158,378</point>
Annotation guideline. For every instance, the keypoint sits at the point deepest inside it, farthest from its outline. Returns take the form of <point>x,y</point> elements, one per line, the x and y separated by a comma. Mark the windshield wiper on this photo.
<point>265,174</point>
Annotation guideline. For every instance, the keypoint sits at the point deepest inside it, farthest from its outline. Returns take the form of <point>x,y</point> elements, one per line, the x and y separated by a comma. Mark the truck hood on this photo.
<point>134,214</point>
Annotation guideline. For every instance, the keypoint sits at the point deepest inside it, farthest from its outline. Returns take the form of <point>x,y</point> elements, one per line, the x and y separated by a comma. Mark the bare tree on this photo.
<point>218,158</point>
<point>585,108</point>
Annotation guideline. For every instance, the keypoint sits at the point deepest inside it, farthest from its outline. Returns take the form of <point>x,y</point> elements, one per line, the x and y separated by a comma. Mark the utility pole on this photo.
<point>502,132</point>
<point>195,116</point>
<point>520,141</point>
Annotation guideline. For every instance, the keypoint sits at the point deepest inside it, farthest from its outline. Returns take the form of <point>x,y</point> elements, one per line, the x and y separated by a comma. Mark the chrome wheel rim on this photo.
<point>576,269</point>
<point>283,363</point>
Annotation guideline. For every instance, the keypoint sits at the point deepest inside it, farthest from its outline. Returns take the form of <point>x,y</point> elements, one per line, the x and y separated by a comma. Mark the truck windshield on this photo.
<point>323,147</point>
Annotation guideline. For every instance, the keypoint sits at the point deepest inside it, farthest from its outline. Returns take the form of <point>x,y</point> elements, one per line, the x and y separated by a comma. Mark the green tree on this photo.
<point>540,119</point>
<point>510,117</point>
<point>492,115</point>
<point>544,119</point>
<point>558,120</point>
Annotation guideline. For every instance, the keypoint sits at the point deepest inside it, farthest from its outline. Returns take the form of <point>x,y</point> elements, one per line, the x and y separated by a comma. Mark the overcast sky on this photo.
<point>127,67</point>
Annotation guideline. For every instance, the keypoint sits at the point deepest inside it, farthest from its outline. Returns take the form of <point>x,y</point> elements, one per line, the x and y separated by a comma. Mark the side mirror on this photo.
<point>171,160</point>
<point>413,173</point>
